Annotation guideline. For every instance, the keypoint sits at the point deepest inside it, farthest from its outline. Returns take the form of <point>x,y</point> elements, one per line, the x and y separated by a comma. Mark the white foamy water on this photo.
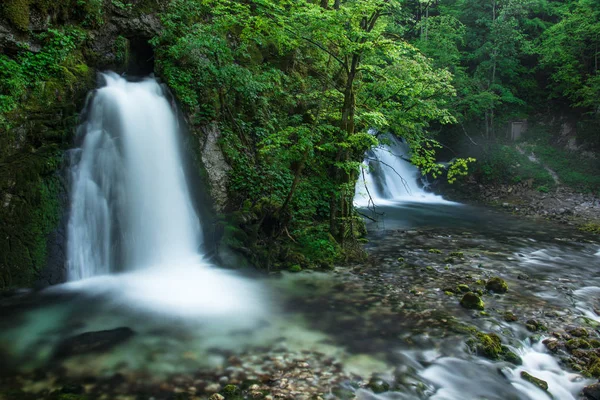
<point>587,301</point>
<point>387,177</point>
<point>457,379</point>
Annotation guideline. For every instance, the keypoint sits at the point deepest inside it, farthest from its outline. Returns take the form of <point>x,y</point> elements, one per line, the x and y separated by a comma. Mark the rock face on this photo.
<point>92,342</point>
<point>216,167</point>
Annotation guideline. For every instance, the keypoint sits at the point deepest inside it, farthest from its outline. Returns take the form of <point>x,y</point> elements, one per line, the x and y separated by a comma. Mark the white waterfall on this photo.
<point>388,176</point>
<point>130,204</point>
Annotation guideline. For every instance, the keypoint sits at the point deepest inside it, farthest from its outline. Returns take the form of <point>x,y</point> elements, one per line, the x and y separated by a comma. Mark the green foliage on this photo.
<point>569,49</point>
<point>503,163</point>
<point>39,96</point>
<point>55,60</point>
<point>295,88</point>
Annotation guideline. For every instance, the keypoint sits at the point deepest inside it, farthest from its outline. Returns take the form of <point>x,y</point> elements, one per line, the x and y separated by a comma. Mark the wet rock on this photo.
<point>92,342</point>
<point>377,385</point>
<point>510,356</point>
<point>496,285</point>
<point>216,396</point>
<point>509,317</point>
<point>533,325</point>
<point>231,392</point>
<point>486,345</point>
<point>463,288</point>
<point>577,343</point>
<point>592,392</point>
<point>536,381</point>
<point>577,331</point>
<point>472,301</point>
<point>552,344</point>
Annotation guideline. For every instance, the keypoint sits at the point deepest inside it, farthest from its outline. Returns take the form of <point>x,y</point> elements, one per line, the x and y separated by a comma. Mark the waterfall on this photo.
<point>130,203</point>
<point>388,176</point>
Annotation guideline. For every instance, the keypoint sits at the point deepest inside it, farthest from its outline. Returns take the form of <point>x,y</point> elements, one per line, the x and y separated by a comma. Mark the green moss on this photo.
<point>497,285</point>
<point>463,288</point>
<point>536,381</point>
<point>472,301</point>
<point>232,392</point>
<point>594,369</point>
<point>486,344</point>
<point>577,343</point>
<point>457,254</point>
<point>435,251</point>
<point>17,12</point>
<point>591,227</point>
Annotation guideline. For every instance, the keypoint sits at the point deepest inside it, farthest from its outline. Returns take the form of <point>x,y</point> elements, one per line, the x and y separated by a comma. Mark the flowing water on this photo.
<point>388,176</point>
<point>188,328</point>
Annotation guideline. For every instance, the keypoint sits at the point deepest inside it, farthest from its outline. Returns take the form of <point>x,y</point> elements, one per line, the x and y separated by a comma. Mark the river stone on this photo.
<point>577,331</point>
<point>497,285</point>
<point>92,342</point>
<point>592,392</point>
<point>536,381</point>
<point>472,301</point>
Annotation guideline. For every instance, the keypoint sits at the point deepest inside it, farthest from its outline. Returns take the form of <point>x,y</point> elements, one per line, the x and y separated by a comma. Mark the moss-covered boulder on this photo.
<point>487,345</point>
<point>577,343</point>
<point>496,285</point>
<point>536,381</point>
<point>472,301</point>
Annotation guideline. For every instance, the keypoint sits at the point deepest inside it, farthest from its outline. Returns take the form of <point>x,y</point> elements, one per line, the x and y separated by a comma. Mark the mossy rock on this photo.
<point>487,345</point>
<point>472,301</point>
<point>536,381</point>
<point>577,343</point>
<point>511,357</point>
<point>435,251</point>
<point>377,385</point>
<point>232,392</point>
<point>594,369</point>
<point>509,317</point>
<point>578,332</point>
<point>533,325</point>
<point>496,285</point>
<point>457,254</point>
<point>462,288</point>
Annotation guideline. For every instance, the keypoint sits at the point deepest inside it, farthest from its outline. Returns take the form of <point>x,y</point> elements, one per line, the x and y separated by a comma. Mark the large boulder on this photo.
<point>92,342</point>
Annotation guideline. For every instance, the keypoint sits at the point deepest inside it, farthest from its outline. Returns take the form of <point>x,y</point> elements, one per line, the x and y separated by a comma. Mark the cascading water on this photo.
<point>388,176</point>
<point>130,203</point>
<point>133,233</point>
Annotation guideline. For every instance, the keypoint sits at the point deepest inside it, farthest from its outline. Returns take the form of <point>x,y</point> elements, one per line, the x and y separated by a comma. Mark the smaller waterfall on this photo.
<point>388,176</point>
